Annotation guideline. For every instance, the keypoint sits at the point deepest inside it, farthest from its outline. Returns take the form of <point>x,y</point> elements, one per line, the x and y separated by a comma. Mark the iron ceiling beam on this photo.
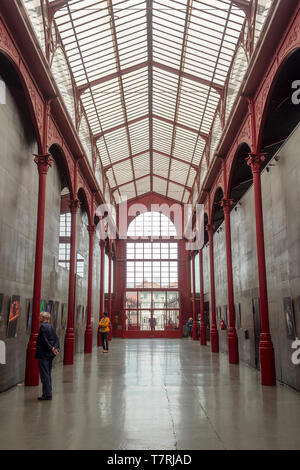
<point>195,167</point>
<point>123,102</point>
<point>182,60</point>
<point>150,85</point>
<point>150,117</point>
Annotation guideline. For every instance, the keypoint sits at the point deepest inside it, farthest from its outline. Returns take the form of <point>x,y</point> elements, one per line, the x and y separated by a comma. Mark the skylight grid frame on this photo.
<point>159,186</point>
<point>164,93</point>
<point>142,165</point>
<point>219,73</point>
<point>221,46</point>
<point>160,164</point>
<point>162,136</point>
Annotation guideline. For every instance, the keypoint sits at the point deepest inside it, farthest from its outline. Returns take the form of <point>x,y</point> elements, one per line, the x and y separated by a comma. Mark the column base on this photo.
<point>267,360</point>
<point>233,346</point>
<point>214,339</point>
<point>32,375</point>
<point>202,335</point>
<point>69,347</point>
<point>88,340</point>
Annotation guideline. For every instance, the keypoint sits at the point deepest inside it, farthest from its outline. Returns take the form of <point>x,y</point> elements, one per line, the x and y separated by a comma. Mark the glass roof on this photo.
<point>151,75</point>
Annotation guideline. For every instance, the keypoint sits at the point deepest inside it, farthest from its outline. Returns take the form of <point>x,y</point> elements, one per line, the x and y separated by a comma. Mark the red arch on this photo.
<point>280,66</point>
<point>6,53</point>
<point>65,166</point>
<point>231,168</point>
<point>212,200</point>
<point>81,189</point>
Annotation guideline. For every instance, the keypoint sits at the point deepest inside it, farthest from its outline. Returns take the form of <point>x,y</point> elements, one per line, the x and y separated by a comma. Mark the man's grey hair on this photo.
<point>45,316</point>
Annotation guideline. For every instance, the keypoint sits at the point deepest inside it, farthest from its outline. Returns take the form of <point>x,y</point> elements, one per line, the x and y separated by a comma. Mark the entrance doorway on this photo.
<point>152,314</point>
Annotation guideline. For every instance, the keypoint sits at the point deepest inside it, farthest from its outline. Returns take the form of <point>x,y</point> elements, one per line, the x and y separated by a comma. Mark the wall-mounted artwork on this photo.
<point>43,307</point>
<point>78,316</point>
<point>84,315</point>
<point>289,317</point>
<point>49,306</point>
<point>225,316</point>
<point>13,315</point>
<point>28,314</point>
<point>64,314</point>
<point>54,314</point>
<point>238,319</point>
<point>1,304</point>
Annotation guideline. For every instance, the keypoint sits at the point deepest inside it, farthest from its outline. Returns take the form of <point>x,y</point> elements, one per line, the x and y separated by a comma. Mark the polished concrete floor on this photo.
<point>152,394</point>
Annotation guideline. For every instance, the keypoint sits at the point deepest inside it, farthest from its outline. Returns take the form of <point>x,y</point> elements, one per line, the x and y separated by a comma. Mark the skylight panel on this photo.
<point>123,172</point>
<point>161,164</point>
<point>159,186</point>
<point>198,152</point>
<point>128,191</point>
<point>111,178</point>
<point>103,152</point>
<point>175,191</point>
<point>191,177</point>
<point>139,136</point>
<point>184,144</point>
<point>141,165</point>
<point>179,171</point>
<point>143,186</point>
<point>162,136</point>
<point>117,144</point>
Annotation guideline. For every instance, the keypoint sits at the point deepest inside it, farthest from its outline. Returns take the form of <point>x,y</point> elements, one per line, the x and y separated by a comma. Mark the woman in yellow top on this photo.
<point>104,325</point>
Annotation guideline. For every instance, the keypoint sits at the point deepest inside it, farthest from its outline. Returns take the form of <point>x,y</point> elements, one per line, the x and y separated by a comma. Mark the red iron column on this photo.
<point>32,369</point>
<point>101,309</point>
<point>88,339</point>
<point>69,338</point>
<point>214,335</point>
<point>267,357</point>
<point>109,293</point>
<point>233,347</point>
<point>195,334</point>
<point>202,320</point>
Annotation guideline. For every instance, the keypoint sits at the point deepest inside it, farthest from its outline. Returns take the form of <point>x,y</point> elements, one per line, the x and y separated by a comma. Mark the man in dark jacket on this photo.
<point>47,347</point>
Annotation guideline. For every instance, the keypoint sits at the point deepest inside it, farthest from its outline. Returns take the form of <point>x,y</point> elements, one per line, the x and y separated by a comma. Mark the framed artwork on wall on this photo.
<point>225,316</point>
<point>1,305</point>
<point>13,315</point>
<point>43,306</point>
<point>238,319</point>
<point>64,313</point>
<point>78,315</point>
<point>84,315</point>
<point>28,314</point>
<point>288,309</point>
<point>49,306</point>
<point>54,314</point>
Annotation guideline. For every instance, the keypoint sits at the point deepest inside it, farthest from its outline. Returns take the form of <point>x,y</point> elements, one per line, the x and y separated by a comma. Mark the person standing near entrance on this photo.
<point>189,327</point>
<point>104,326</point>
<point>47,347</point>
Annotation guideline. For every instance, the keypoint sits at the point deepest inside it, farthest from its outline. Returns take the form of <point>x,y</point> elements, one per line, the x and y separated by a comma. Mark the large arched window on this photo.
<point>152,296</point>
<point>151,224</point>
<point>152,264</point>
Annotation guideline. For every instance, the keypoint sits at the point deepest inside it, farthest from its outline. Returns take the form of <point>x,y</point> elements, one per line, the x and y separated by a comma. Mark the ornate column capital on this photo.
<point>74,205</point>
<point>255,161</point>
<point>210,228</point>
<point>43,161</point>
<point>226,204</point>
<point>102,243</point>
<point>91,229</point>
